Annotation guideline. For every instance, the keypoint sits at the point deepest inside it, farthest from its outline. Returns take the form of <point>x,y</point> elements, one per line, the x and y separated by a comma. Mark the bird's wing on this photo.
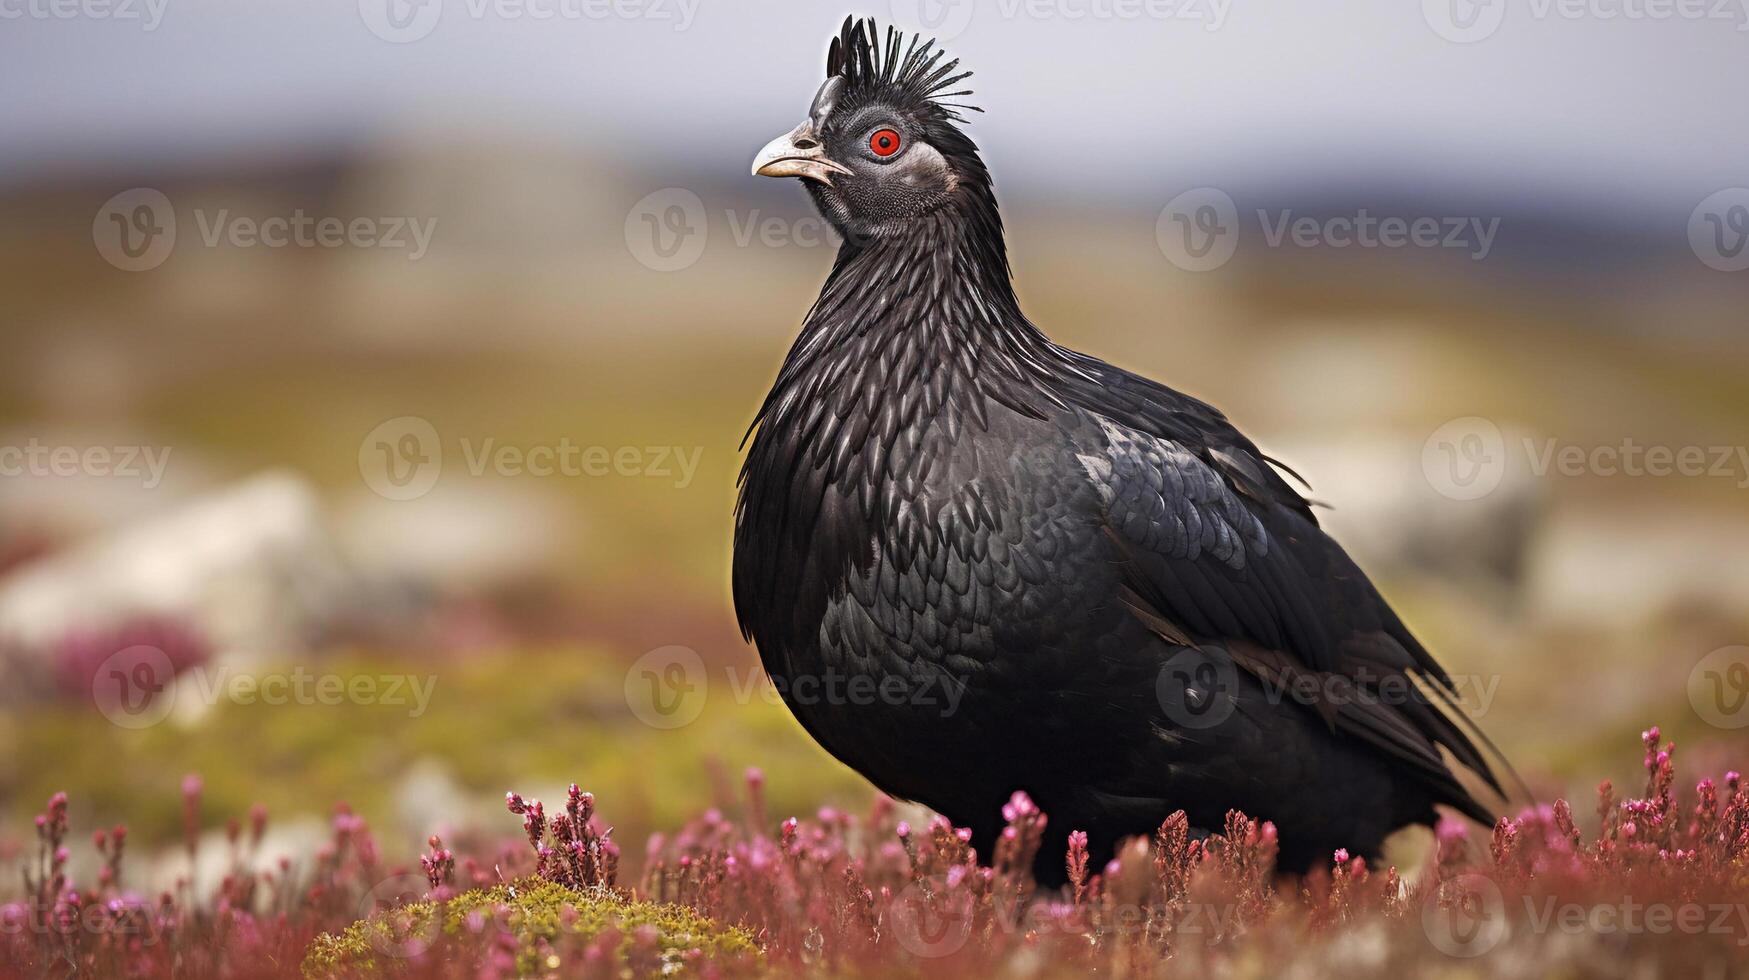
<point>1216,548</point>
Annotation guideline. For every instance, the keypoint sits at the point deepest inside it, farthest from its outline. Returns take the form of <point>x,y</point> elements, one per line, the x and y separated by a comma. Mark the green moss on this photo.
<point>522,720</point>
<point>550,923</point>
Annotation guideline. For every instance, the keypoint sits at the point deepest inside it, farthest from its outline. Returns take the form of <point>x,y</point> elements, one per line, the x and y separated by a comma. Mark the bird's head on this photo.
<point>880,148</point>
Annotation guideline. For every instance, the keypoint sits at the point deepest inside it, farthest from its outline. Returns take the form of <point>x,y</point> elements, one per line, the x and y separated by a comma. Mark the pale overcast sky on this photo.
<point>1641,101</point>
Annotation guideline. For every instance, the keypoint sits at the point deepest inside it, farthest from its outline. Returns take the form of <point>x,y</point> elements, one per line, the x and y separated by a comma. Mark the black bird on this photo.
<point>976,562</point>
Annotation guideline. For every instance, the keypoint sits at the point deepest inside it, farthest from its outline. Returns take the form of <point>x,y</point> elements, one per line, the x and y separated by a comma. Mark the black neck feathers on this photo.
<point>916,322</point>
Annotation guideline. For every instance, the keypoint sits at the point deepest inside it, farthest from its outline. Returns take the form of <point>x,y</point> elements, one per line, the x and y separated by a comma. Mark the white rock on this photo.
<point>1395,521</point>
<point>251,565</point>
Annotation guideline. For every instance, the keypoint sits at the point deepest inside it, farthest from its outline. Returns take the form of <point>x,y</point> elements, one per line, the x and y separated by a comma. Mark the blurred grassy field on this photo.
<point>249,362</point>
<point>528,720</point>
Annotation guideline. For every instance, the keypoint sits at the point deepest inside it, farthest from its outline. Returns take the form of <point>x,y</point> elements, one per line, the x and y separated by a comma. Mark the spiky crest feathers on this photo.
<point>909,73</point>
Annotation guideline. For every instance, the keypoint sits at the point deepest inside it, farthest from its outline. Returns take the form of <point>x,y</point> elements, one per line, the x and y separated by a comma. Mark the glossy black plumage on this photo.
<point>1137,612</point>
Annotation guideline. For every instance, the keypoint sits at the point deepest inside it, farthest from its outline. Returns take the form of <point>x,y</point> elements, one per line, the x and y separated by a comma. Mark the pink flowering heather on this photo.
<point>1077,865</point>
<point>1660,882</point>
<point>581,856</point>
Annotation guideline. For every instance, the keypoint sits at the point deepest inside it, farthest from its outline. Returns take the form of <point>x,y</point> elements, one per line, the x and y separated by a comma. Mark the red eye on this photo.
<point>884,142</point>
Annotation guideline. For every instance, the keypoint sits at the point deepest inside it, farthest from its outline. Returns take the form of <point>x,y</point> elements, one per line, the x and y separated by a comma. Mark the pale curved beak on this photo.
<point>797,153</point>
